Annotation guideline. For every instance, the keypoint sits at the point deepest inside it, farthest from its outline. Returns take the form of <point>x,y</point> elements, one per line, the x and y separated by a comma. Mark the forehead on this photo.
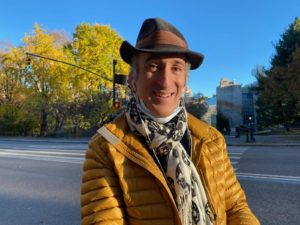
<point>144,57</point>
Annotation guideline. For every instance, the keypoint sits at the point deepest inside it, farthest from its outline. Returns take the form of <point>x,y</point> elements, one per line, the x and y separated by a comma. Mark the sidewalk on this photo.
<point>265,140</point>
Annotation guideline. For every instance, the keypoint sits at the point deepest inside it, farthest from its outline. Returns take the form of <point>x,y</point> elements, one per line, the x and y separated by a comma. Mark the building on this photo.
<point>210,116</point>
<point>229,102</point>
<point>248,102</point>
<point>236,103</point>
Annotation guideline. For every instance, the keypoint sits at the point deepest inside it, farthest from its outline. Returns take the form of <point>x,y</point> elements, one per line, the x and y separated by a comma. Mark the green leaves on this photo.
<point>198,106</point>
<point>278,88</point>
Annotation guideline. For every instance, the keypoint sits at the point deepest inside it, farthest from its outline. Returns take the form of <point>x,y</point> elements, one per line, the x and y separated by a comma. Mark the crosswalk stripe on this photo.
<point>269,177</point>
<point>51,152</point>
<point>65,157</point>
<point>234,156</point>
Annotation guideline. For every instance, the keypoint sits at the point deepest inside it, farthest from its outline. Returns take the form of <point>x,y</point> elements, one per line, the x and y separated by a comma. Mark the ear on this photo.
<point>131,81</point>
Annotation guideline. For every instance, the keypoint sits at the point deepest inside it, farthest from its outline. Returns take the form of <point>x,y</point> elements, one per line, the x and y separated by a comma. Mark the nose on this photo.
<point>164,78</point>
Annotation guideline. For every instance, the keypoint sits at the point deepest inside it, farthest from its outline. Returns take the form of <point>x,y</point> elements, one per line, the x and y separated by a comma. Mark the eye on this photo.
<point>152,67</point>
<point>178,69</point>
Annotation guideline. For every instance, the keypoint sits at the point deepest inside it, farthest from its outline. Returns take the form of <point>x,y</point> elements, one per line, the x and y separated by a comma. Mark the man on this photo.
<point>155,163</point>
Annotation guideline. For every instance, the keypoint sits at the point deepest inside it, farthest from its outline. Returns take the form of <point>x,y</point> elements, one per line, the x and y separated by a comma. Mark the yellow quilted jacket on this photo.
<point>121,183</point>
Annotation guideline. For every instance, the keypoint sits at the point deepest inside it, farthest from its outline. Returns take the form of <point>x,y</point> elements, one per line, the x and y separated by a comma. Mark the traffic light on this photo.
<point>28,61</point>
<point>120,79</point>
<point>117,105</point>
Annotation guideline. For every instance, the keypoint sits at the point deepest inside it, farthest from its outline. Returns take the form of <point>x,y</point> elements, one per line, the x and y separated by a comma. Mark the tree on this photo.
<point>198,106</point>
<point>285,47</point>
<point>51,96</point>
<point>223,123</point>
<point>95,47</point>
<point>278,87</point>
<point>14,113</point>
<point>47,82</point>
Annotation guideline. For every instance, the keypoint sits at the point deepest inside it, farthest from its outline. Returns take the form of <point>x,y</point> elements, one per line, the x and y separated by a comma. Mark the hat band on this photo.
<point>162,37</point>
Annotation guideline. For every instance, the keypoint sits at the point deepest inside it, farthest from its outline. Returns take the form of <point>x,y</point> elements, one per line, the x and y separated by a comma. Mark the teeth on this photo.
<point>163,95</point>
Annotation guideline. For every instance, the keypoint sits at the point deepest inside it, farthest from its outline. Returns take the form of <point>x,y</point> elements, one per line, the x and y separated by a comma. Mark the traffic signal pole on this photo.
<point>117,78</point>
<point>114,83</point>
<point>69,64</point>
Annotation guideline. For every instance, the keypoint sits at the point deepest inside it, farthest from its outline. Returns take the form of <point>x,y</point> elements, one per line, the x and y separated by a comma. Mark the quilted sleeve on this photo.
<point>101,196</point>
<point>237,209</point>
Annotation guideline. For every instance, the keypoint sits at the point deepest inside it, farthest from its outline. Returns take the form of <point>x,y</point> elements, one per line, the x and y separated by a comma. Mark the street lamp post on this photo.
<point>252,139</point>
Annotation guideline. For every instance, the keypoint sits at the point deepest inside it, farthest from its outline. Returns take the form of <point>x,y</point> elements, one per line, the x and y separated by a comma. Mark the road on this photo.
<point>270,177</point>
<point>40,181</point>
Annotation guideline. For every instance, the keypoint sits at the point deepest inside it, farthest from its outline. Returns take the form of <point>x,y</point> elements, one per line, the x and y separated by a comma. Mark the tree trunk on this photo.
<point>287,127</point>
<point>43,123</point>
<point>59,121</point>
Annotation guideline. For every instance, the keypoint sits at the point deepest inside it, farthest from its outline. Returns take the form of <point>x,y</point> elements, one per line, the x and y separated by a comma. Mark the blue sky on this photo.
<point>235,36</point>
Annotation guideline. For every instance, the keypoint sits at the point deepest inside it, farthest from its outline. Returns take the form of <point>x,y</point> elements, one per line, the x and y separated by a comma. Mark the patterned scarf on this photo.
<point>181,175</point>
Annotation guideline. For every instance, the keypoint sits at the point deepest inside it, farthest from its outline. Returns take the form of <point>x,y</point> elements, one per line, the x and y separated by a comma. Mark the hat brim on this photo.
<point>127,51</point>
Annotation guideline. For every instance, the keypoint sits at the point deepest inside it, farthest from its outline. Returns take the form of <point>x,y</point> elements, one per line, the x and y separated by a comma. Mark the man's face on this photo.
<point>160,82</point>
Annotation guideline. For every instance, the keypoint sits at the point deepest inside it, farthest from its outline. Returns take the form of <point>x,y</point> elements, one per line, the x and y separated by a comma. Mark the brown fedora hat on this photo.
<point>158,36</point>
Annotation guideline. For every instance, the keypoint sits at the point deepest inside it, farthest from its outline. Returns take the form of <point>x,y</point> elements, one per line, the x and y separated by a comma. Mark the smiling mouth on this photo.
<point>163,95</point>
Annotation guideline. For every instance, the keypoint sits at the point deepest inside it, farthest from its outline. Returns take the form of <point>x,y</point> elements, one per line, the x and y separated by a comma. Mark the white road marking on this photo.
<point>234,157</point>
<point>76,157</point>
<point>52,152</point>
<point>51,156</point>
<point>69,160</point>
<point>269,177</point>
<point>236,153</point>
